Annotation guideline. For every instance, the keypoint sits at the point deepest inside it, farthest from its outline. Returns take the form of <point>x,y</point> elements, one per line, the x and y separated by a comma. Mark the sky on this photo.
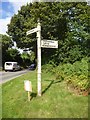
<point>7,9</point>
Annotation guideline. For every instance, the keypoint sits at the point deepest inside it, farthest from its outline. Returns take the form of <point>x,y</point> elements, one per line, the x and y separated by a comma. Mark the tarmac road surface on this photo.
<point>6,76</point>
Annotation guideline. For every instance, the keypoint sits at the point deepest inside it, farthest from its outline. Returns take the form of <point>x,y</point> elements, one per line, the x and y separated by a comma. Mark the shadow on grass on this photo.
<point>52,82</point>
<point>33,95</point>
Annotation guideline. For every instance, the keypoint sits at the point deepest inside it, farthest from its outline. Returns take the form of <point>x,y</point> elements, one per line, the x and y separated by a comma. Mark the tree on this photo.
<point>65,22</point>
<point>26,19</point>
<point>79,26</point>
<point>76,44</point>
<point>6,42</point>
<point>26,59</point>
<point>14,55</point>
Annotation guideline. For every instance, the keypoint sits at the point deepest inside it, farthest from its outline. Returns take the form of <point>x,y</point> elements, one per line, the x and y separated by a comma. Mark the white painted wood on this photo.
<point>39,58</point>
<point>49,43</point>
<point>38,30</point>
<point>27,85</point>
<point>31,31</point>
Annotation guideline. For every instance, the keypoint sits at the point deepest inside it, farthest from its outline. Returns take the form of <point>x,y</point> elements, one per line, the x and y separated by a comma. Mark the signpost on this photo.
<point>38,30</point>
<point>49,43</point>
<point>45,44</point>
<point>39,57</point>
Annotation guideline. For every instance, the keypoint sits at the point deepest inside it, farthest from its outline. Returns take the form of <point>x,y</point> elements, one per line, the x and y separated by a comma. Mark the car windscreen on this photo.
<point>8,63</point>
<point>32,65</point>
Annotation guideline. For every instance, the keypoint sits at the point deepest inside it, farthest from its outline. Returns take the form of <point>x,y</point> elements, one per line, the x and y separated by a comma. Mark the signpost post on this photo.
<point>39,57</point>
<point>45,44</point>
<point>38,30</point>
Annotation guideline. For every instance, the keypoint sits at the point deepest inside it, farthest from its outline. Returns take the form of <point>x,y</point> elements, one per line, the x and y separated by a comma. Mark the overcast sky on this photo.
<point>7,9</point>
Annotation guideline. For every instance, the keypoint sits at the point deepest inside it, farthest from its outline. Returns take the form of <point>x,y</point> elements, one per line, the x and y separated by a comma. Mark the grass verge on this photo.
<point>0,101</point>
<point>56,101</point>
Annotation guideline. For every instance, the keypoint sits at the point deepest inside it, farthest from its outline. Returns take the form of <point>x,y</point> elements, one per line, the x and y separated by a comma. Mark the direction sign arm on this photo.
<point>32,31</point>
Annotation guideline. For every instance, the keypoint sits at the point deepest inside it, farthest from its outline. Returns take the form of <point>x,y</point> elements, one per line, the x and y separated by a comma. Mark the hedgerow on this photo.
<point>75,74</point>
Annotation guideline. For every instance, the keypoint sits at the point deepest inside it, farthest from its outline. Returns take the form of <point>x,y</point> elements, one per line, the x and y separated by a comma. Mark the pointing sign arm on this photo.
<point>32,31</point>
<point>49,43</point>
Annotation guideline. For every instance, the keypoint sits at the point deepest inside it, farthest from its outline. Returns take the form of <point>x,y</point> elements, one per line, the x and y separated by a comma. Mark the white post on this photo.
<point>39,58</point>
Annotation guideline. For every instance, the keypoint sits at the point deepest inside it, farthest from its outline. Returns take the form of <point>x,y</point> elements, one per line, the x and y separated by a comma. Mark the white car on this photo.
<point>11,66</point>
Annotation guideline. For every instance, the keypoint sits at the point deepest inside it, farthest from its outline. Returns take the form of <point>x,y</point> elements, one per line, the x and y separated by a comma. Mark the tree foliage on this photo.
<point>14,55</point>
<point>66,22</point>
<point>26,59</point>
<point>5,44</point>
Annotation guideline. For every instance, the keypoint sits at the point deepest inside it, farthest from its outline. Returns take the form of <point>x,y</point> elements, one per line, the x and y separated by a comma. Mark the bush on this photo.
<point>76,73</point>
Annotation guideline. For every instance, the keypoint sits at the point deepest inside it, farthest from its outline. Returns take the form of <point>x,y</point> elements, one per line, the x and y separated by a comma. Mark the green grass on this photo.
<point>56,101</point>
<point>0,101</point>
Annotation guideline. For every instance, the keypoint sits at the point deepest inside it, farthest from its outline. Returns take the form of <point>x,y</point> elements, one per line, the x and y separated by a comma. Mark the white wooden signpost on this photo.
<point>38,30</point>
<point>45,44</point>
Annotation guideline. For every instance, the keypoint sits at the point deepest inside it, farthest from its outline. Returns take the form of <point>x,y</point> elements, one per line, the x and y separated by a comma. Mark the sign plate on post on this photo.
<point>49,43</point>
<point>28,85</point>
<point>32,31</point>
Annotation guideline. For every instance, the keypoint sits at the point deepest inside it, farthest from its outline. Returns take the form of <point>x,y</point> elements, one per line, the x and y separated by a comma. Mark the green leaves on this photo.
<point>14,53</point>
<point>66,22</point>
<point>5,43</point>
<point>75,74</point>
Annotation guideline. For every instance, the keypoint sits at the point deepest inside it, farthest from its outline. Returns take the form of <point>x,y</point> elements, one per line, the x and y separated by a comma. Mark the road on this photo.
<point>6,76</point>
